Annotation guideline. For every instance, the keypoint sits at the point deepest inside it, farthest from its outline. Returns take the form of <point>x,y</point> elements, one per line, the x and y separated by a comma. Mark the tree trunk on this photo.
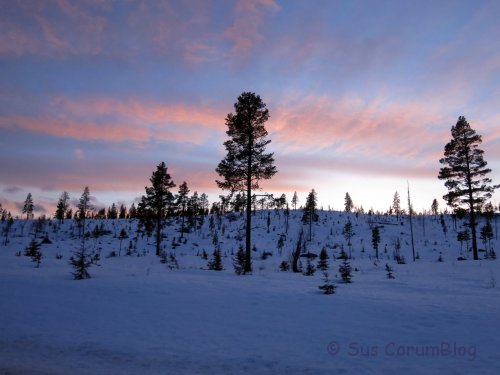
<point>472,216</point>
<point>472,223</point>
<point>310,226</point>
<point>182,225</point>
<point>158,235</point>
<point>296,254</point>
<point>159,212</point>
<point>248,229</point>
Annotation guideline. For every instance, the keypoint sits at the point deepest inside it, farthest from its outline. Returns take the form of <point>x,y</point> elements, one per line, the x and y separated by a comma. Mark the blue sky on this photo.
<point>362,94</point>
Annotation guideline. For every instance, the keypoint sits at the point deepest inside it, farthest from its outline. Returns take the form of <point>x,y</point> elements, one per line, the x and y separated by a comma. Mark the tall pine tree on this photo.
<point>246,161</point>
<point>181,203</point>
<point>396,204</point>
<point>62,206</point>
<point>348,204</point>
<point>83,207</point>
<point>464,171</point>
<point>309,214</point>
<point>157,200</point>
<point>28,207</point>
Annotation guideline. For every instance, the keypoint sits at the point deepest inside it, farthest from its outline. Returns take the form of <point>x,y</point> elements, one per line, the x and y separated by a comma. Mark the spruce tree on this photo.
<point>239,261</point>
<point>345,271</point>
<point>6,230</point>
<point>112,212</point>
<point>348,233</point>
<point>32,248</point>
<point>284,266</point>
<point>375,240</point>
<point>396,204</point>
<point>158,199</point>
<point>246,161</point>
<point>323,260</point>
<point>328,287</point>
<point>182,203</point>
<point>310,268</point>
<point>390,271</point>
<point>123,235</point>
<point>465,172</point>
<point>28,207</point>
<point>80,262</point>
<point>62,207</point>
<point>83,207</point>
<point>33,251</point>
<point>435,207</point>
<point>132,212</point>
<point>309,214</point>
<point>486,235</point>
<point>123,212</point>
<point>215,264</point>
<point>295,200</point>
<point>348,204</point>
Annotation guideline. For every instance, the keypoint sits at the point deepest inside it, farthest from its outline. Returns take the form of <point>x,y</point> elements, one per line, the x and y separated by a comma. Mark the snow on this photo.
<point>137,316</point>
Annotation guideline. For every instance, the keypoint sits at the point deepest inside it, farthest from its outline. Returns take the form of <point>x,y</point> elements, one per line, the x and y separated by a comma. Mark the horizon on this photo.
<point>361,100</point>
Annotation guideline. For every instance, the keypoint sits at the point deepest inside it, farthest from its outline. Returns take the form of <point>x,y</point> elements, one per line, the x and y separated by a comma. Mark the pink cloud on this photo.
<point>138,111</point>
<point>132,121</point>
<point>57,28</point>
<point>356,126</point>
<point>248,16</point>
<point>111,132</point>
<point>54,40</point>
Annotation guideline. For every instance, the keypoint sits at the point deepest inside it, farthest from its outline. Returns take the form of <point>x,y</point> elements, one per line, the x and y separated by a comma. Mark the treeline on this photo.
<point>183,204</point>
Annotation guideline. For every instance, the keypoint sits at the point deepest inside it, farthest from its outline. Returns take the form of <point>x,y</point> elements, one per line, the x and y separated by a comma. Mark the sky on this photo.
<point>361,94</point>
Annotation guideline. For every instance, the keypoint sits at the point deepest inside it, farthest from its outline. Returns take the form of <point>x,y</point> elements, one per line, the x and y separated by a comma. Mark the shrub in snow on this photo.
<point>123,235</point>
<point>265,255</point>
<point>239,261</point>
<point>111,254</point>
<point>80,263</point>
<point>390,271</point>
<point>37,258</point>
<point>215,264</point>
<point>400,259</point>
<point>328,287</point>
<point>343,254</point>
<point>323,260</point>
<point>172,262</point>
<point>310,269</point>
<point>130,249</point>
<point>95,258</point>
<point>284,266</point>
<point>345,271</point>
<point>32,249</point>
<point>46,240</point>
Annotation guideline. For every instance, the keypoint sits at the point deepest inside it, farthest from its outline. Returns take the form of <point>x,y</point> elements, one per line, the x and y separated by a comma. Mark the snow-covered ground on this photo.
<point>138,316</point>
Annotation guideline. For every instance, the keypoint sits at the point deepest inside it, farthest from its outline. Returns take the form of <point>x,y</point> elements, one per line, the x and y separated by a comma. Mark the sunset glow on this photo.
<point>361,94</point>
